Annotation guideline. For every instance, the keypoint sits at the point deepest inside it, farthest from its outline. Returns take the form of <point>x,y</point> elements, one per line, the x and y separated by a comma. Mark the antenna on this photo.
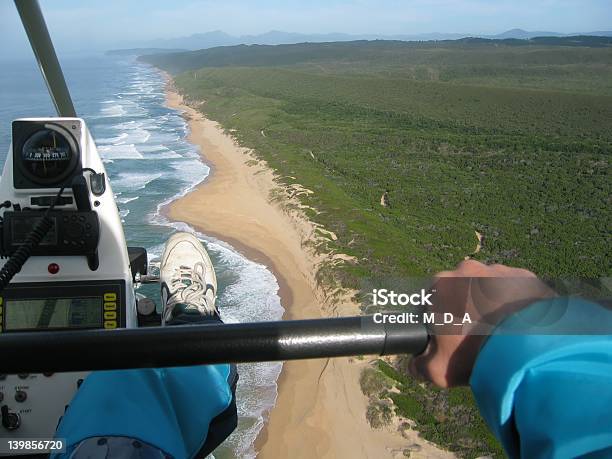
<point>36,29</point>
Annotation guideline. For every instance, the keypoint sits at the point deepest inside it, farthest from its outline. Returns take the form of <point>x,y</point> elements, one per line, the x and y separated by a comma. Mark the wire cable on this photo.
<point>21,255</point>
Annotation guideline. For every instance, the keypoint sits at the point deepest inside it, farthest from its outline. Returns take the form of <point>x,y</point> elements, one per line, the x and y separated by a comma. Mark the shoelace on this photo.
<point>192,293</point>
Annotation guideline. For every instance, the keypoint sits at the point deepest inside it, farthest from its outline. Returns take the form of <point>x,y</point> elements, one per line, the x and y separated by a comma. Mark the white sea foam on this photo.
<point>150,124</point>
<point>125,125</point>
<point>122,108</point>
<point>126,199</point>
<point>154,253</point>
<point>114,110</point>
<point>158,152</point>
<point>127,151</point>
<point>112,140</point>
<point>137,135</point>
<point>129,181</point>
<point>190,171</point>
<point>123,213</point>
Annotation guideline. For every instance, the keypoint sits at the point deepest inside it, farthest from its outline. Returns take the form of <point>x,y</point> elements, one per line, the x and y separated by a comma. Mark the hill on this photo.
<point>276,37</point>
<point>510,139</point>
<point>550,63</point>
<point>450,126</point>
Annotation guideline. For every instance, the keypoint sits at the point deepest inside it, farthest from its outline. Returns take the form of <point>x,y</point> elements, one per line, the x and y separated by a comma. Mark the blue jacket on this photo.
<point>168,408</point>
<point>543,381</point>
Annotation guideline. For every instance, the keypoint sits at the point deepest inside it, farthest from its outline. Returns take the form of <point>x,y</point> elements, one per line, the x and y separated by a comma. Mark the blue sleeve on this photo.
<point>543,381</point>
<point>169,408</point>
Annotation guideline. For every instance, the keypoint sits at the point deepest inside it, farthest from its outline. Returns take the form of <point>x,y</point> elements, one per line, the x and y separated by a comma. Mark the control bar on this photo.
<point>83,350</point>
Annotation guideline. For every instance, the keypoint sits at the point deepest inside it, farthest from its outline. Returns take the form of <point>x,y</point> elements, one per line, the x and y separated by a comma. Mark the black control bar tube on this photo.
<point>81,350</point>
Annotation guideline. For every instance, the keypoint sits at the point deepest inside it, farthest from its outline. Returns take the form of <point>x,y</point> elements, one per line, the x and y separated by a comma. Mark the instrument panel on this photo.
<point>33,404</point>
<point>62,306</point>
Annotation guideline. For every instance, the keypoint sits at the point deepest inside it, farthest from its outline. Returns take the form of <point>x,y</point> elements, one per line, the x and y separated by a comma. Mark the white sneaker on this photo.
<point>188,281</point>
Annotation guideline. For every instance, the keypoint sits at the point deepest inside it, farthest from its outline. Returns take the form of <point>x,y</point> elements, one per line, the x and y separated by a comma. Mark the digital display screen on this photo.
<point>21,228</point>
<point>51,313</point>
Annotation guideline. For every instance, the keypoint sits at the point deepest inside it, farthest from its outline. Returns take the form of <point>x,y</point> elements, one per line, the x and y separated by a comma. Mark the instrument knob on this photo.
<point>10,420</point>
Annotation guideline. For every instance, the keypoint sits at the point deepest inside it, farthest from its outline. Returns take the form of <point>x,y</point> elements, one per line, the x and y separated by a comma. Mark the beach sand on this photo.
<point>320,409</point>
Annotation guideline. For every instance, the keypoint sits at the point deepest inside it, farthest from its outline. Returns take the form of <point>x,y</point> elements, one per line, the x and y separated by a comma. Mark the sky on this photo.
<point>105,24</point>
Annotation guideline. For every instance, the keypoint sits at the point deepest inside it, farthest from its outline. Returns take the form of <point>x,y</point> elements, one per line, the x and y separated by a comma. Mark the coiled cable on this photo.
<point>21,255</point>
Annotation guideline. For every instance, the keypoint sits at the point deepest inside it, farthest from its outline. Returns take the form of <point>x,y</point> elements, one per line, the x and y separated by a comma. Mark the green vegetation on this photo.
<point>582,64</point>
<point>526,168</point>
<point>448,418</point>
<point>379,413</point>
<point>372,382</point>
<point>511,139</point>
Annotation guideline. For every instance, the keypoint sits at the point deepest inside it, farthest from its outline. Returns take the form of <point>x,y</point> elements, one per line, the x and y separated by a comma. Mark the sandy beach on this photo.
<point>320,409</point>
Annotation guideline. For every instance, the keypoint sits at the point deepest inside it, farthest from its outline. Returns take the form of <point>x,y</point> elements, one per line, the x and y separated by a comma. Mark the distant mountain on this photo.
<point>142,51</point>
<point>217,38</point>
<point>524,35</point>
<point>276,37</point>
<point>598,33</point>
<point>197,41</point>
<point>364,52</point>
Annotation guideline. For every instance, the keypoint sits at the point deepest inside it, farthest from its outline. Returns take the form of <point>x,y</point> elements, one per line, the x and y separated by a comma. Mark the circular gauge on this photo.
<point>48,155</point>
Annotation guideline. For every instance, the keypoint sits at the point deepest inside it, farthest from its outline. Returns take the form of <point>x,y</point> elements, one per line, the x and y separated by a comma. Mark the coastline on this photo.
<point>320,409</point>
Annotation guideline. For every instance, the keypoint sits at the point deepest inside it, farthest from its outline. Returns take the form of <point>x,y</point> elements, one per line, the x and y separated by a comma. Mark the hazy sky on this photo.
<point>103,24</point>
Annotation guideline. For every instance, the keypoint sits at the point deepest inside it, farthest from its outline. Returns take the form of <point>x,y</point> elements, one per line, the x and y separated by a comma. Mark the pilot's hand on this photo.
<point>487,294</point>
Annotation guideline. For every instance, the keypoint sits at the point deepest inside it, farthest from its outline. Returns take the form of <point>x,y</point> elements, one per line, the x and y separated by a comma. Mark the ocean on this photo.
<point>150,163</point>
